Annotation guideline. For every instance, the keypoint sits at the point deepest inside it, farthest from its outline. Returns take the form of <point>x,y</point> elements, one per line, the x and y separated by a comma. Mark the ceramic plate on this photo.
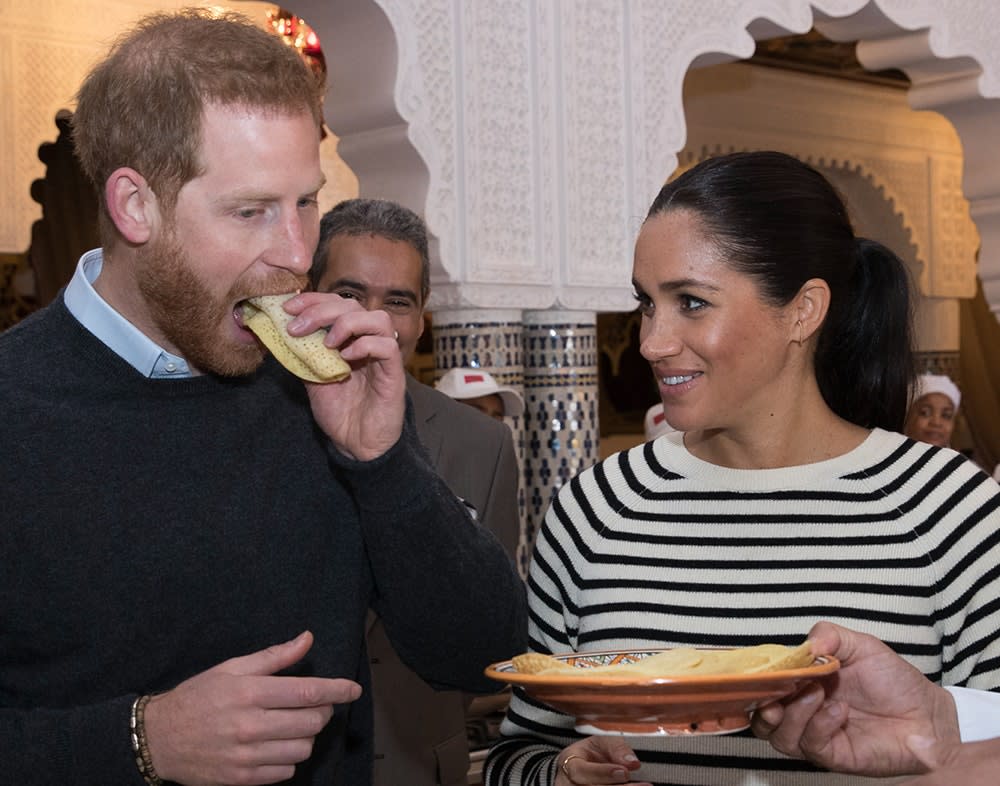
<point>639,704</point>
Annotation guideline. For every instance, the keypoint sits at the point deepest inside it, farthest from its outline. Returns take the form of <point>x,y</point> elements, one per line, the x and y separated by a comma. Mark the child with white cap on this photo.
<point>479,389</point>
<point>931,416</point>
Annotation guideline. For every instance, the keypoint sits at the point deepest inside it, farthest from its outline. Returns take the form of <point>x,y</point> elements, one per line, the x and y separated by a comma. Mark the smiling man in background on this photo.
<point>375,252</point>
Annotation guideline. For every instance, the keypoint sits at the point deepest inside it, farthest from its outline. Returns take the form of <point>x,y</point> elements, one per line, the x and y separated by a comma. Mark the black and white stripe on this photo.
<point>655,547</point>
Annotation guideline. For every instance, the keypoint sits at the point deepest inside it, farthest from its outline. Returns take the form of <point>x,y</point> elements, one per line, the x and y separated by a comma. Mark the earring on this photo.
<point>798,324</point>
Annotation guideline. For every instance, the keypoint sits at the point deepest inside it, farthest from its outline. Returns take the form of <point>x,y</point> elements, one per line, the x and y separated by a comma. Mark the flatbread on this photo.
<point>306,357</point>
<point>781,658</point>
<point>676,661</point>
<point>538,663</point>
<point>669,662</point>
<point>680,662</point>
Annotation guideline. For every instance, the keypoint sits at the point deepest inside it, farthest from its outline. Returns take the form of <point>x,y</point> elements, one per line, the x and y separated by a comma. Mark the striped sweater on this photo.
<point>654,547</point>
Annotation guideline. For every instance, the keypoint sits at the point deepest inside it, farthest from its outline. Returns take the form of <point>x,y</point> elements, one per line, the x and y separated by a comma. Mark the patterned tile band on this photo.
<point>552,358</point>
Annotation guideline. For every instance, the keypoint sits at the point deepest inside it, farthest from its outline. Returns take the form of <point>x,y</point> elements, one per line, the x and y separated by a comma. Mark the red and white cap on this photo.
<point>460,383</point>
<point>655,423</point>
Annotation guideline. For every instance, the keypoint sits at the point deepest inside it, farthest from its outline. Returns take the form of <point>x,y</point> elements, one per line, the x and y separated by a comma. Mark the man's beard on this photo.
<point>194,322</point>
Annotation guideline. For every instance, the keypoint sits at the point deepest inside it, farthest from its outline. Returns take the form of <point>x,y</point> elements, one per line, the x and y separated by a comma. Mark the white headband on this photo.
<point>937,383</point>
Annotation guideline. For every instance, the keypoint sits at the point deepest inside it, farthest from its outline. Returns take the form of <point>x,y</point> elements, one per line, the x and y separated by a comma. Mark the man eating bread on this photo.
<point>193,535</point>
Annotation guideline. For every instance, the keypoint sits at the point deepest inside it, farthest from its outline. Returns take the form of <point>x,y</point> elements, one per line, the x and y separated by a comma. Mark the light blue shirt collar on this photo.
<point>120,335</point>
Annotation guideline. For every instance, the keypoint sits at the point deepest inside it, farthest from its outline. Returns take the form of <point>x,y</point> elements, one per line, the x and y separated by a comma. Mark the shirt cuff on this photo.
<point>978,713</point>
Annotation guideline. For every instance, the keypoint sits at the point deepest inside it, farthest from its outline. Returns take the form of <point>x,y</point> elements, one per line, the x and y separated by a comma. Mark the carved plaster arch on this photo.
<point>895,200</point>
<point>363,55</point>
<point>506,104</point>
<point>688,157</point>
<point>923,40</point>
<point>918,231</point>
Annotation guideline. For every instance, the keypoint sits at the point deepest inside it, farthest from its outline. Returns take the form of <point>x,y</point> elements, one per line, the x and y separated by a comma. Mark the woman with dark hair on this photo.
<point>781,345</point>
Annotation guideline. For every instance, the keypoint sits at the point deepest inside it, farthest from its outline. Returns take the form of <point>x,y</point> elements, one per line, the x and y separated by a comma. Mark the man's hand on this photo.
<point>860,719</point>
<point>596,760</point>
<point>971,764</point>
<point>363,415</point>
<point>237,723</point>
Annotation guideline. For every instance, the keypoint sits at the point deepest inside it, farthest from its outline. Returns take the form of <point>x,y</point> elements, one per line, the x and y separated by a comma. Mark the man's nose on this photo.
<point>295,245</point>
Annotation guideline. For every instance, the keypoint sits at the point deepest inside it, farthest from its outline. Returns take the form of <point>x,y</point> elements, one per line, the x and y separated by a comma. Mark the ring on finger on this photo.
<point>395,335</point>
<point>566,761</point>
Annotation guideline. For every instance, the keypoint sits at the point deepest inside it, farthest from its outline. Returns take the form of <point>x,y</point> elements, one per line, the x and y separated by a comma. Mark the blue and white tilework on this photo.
<point>489,340</point>
<point>560,420</point>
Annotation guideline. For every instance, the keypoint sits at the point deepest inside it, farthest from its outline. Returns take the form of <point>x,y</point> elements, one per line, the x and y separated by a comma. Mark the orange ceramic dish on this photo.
<point>639,704</point>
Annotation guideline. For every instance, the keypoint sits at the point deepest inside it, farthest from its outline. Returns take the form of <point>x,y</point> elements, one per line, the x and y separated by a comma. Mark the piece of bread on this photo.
<point>305,356</point>
<point>683,661</point>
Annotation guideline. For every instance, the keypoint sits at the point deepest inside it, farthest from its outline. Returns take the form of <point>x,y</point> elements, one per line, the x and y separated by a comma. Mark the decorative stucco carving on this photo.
<point>548,127</point>
<point>532,134</point>
<point>46,48</point>
<point>913,159</point>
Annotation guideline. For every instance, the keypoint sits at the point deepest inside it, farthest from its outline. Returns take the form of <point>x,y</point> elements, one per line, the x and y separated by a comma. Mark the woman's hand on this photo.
<point>596,760</point>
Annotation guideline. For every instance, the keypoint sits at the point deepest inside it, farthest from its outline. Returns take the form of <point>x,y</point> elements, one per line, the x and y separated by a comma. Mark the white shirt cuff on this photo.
<point>978,713</point>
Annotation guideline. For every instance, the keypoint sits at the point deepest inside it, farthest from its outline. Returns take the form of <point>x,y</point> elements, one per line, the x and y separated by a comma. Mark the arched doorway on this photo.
<point>532,136</point>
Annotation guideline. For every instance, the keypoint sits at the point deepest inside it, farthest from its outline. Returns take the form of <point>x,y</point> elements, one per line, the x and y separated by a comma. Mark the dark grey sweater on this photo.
<point>151,529</point>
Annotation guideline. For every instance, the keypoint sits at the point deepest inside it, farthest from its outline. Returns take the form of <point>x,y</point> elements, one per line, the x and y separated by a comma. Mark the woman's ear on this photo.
<point>131,204</point>
<point>810,307</point>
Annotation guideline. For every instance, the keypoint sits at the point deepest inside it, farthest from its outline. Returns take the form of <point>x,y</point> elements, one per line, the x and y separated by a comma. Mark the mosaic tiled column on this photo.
<point>560,417</point>
<point>488,339</point>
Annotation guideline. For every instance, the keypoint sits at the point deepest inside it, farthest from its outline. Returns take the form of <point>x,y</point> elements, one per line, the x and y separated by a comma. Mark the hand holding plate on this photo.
<point>860,719</point>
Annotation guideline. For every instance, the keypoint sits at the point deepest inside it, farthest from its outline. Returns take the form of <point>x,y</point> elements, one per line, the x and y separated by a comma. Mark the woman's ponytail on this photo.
<point>864,356</point>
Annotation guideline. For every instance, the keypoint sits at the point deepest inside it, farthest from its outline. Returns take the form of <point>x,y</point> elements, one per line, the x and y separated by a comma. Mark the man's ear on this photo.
<point>131,204</point>
<point>811,305</point>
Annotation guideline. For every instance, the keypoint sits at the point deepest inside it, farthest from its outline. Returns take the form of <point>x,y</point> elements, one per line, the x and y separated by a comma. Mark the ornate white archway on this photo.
<point>532,134</point>
<point>900,171</point>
